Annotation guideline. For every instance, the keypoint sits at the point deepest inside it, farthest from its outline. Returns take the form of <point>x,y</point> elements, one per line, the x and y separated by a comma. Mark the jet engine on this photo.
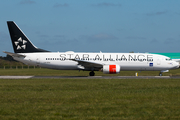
<point>111,69</point>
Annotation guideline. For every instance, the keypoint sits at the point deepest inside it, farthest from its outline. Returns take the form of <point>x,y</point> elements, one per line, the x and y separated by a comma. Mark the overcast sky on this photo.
<point>94,25</point>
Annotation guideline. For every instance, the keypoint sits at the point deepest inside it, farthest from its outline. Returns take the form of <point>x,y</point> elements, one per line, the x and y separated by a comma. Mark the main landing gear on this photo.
<point>91,73</point>
<point>160,74</point>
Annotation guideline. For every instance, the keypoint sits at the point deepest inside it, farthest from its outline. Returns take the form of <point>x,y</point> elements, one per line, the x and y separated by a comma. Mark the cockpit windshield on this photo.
<point>168,59</point>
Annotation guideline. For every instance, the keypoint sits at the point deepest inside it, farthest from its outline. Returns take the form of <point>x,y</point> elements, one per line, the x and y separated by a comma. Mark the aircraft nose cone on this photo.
<point>176,64</point>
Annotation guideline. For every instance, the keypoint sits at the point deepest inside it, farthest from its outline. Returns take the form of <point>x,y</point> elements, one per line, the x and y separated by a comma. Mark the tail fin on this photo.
<point>20,42</point>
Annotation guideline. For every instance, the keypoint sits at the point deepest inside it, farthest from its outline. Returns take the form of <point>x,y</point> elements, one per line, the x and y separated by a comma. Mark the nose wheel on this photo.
<point>91,73</point>
<point>160,74</point>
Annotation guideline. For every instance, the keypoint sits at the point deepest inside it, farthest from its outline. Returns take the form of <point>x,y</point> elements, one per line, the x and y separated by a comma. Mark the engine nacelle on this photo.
<point>111,69</point>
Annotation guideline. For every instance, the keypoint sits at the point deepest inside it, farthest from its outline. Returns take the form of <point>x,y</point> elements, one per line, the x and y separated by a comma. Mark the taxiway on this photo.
<point>89,77</point>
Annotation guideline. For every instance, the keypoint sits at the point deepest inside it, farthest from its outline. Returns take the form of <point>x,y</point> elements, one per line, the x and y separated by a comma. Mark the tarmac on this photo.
<point>90,77</point>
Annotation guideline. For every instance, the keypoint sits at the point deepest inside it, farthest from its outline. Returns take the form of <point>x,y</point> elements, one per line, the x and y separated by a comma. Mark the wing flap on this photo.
<point>88,64</point>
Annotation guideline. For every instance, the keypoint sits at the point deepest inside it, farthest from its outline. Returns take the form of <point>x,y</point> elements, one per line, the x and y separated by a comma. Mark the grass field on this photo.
<point>88,99</point>
<point>50,72</point>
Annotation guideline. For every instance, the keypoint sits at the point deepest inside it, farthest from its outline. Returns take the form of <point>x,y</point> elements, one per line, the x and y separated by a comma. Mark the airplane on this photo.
<point>108,63</point>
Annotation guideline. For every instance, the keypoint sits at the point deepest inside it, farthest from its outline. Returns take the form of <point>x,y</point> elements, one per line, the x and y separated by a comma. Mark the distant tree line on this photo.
<point>9,62</point>
<point>8,58</point>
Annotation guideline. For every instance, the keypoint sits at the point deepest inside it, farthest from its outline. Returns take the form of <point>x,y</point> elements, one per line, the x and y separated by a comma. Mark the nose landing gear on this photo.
<point>160,74</point>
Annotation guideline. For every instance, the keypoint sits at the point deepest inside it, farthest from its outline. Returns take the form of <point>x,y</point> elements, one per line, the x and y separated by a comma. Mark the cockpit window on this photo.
<point>168,59</point>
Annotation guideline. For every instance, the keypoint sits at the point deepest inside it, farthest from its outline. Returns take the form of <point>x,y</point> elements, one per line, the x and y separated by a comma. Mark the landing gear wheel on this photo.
<point>91,73</point>
<point>160,74</point>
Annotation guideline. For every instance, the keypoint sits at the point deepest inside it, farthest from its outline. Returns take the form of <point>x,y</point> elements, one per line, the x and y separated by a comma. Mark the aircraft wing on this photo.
<point>14,54</point>
<point>88,64</point>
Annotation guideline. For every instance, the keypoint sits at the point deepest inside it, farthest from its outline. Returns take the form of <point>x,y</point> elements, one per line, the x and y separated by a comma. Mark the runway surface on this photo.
<point>90,77</point>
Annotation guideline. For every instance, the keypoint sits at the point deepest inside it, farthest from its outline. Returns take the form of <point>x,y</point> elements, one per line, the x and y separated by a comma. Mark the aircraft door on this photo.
<point>158,61</point>
<point>37,60</point>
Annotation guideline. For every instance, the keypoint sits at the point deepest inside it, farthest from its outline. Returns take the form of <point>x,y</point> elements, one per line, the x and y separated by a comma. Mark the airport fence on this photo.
<point>19,67</point>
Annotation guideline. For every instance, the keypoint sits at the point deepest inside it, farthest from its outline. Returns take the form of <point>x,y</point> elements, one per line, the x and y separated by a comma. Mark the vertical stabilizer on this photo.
<point>20,42</point>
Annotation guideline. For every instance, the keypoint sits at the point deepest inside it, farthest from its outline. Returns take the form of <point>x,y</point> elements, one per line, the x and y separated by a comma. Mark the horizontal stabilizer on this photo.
<point>14,54</point>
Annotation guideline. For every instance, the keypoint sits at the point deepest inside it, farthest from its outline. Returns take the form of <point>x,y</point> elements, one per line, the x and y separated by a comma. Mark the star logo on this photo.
<point>20,43</point>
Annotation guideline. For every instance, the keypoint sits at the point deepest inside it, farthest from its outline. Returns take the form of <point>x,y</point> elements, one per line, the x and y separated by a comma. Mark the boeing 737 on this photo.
<point>109,63</point>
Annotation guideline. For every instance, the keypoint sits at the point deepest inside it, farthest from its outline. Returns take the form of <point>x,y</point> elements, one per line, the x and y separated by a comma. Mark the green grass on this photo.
<point>88,99</point>
<point>50,72</point>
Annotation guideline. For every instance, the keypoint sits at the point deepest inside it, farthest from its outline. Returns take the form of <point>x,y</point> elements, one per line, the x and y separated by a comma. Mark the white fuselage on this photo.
<point>109,63</point>
<point>127,61</point>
